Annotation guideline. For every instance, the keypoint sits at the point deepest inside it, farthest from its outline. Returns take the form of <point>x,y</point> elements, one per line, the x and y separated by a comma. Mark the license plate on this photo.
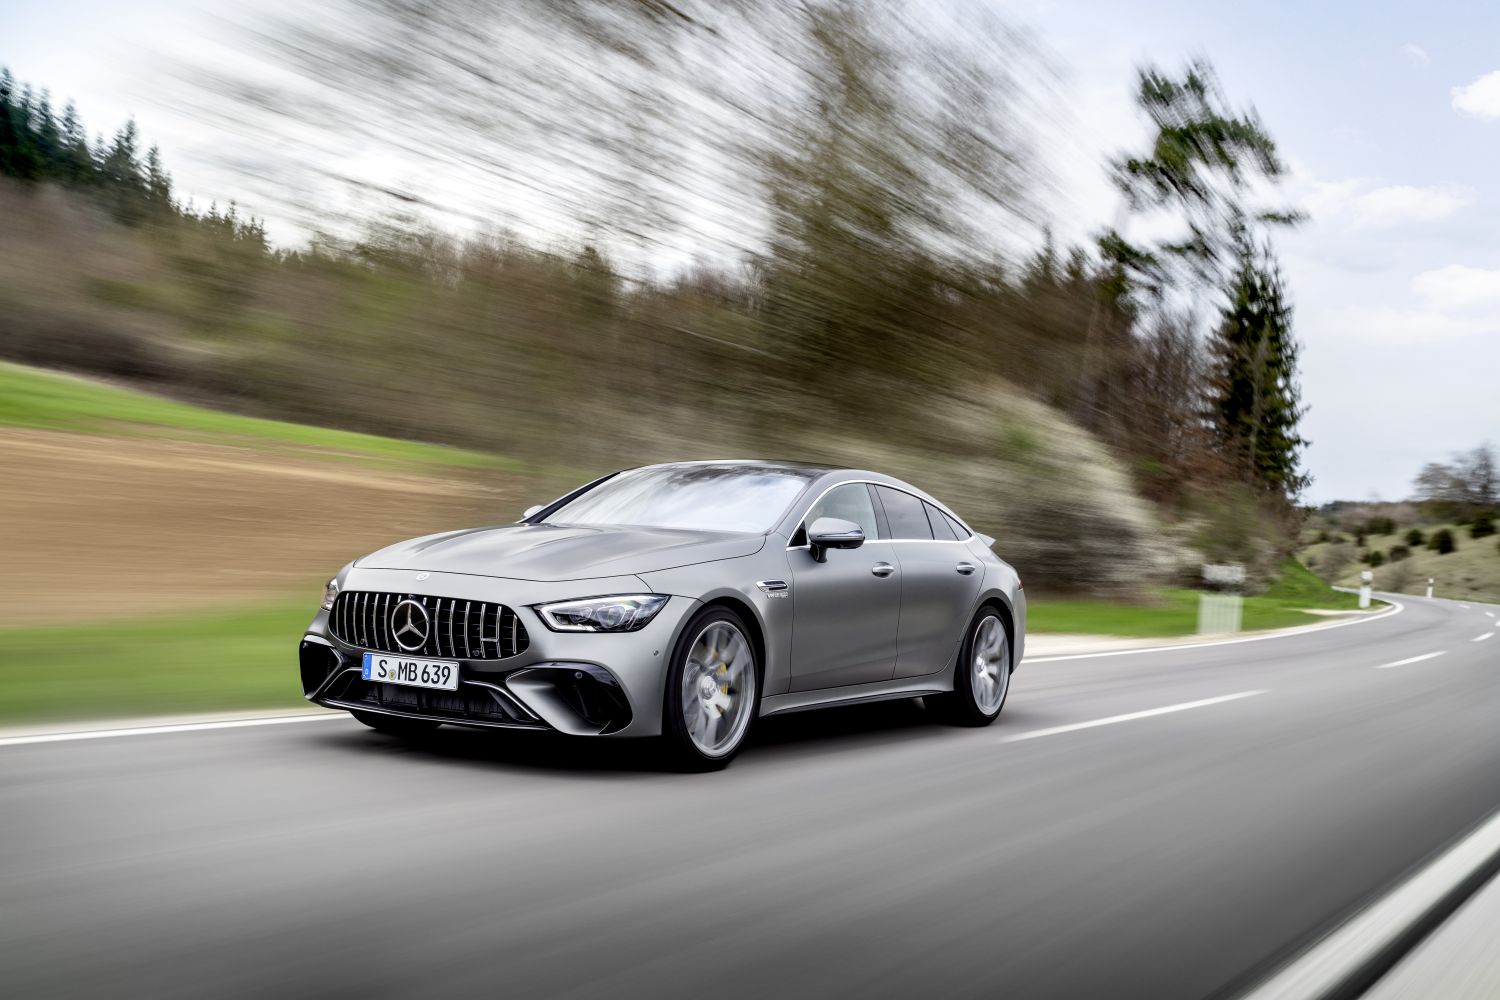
<point>388,669</point>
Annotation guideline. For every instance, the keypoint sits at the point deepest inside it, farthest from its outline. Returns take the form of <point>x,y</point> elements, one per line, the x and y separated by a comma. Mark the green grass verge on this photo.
<point>1175,612</point>
<point>30,397</point>
<point>218,661</point>
<point>191,663</point>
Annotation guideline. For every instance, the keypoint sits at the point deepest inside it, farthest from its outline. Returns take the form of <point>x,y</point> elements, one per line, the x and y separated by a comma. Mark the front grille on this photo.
<point>457,629</point>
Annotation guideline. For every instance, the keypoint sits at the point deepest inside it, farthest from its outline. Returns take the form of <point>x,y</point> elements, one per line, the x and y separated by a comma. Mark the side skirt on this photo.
<point>893,690</point>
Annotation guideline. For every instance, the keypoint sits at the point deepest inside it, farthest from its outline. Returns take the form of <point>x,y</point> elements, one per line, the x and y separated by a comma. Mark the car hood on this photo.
<point>547,552</point>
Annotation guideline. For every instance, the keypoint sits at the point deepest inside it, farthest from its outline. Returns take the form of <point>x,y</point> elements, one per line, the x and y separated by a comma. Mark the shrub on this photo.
<point>1442,542</point>
<point>1333,563</point>
<point>1322,536</point>
<point>1377,558</point>
<point>1399,552</point>
<point>1380,526</point>
<point>1483,526</point>
<point>1415,537</point>
<point>1359,539</point>
<point>1398,577</point>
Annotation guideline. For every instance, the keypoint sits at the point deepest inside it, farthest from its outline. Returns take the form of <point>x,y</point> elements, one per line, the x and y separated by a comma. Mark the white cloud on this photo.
<point>1364,204</point>
<point>1415,54</point>
<point>1397,204</point>
<point>1458,287</point>
<point>1480,98</point>
<point>1389,325</point>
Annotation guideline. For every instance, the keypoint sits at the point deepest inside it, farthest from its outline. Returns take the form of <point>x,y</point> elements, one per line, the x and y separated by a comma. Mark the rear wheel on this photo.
<point>713,692</point>
<point>395,725</point>
<point>981,680</point>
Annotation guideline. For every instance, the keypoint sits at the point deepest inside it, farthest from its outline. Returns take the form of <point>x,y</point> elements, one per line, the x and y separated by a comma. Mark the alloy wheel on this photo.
<point>990,652</point>
<point>718,688</point>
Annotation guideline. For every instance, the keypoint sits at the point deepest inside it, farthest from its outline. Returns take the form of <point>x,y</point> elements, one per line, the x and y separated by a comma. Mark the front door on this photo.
<point>845,610</point>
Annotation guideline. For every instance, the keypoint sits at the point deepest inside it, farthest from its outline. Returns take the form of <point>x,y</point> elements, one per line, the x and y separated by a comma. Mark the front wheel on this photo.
<point>713,692</point>
<point>396,725</point>
<point>981,680</point>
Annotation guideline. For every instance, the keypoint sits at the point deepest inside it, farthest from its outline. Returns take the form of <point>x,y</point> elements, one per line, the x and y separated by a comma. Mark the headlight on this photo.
<point>602,614</point>
<point>330,594</point>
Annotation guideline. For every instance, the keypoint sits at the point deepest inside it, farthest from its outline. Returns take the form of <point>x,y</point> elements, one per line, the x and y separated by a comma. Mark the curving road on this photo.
<point>1089,844</point>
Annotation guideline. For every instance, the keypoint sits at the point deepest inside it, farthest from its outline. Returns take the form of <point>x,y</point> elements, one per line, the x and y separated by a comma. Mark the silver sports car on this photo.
<point>676,601</point>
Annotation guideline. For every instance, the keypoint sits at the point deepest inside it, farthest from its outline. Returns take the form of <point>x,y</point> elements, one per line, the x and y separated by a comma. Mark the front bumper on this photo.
<point>579,683</point>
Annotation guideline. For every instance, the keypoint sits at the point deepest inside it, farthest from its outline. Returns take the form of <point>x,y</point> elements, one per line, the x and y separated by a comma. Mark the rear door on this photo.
<point>845,610</point>
<point>940,580</point>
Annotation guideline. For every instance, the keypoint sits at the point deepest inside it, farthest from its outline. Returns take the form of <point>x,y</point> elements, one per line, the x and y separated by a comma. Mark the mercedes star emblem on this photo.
<point>410,624</point>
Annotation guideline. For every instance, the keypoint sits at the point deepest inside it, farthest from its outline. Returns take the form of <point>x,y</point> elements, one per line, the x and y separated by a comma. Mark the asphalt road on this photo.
<point>859,852</point>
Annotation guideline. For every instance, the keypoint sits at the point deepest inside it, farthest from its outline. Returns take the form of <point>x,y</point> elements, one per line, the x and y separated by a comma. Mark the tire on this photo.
<point>396,725</point>
<point>702,693</point>
<point>980,687</point>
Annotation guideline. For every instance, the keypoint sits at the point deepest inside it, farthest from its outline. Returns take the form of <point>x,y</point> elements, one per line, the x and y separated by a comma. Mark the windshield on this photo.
<point>695,497</point>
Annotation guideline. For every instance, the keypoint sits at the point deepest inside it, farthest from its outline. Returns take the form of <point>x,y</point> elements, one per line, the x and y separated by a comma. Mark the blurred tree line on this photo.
<point>864,167</point>
<point>36,144</point>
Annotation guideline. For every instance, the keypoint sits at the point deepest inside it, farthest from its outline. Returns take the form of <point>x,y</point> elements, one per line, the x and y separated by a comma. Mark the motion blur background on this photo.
<point>437,262</point>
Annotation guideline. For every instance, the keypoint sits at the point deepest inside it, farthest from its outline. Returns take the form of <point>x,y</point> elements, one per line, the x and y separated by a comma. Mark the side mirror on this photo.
<point>833,533</point>
<point>532,510</point>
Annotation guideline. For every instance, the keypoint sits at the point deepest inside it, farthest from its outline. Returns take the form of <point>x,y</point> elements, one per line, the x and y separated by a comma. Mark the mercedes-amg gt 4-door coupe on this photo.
<point>677,601</point>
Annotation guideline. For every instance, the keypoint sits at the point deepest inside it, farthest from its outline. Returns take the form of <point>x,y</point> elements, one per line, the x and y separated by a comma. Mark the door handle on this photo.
<point>882,569</point>
<point>965,568</point>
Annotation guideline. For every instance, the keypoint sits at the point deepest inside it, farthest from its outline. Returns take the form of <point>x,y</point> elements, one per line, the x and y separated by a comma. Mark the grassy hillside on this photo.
<point>1471,572</point>
<point>34,398</point>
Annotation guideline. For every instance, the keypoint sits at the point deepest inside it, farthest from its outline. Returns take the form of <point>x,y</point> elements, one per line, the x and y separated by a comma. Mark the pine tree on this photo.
<point>18,156</point>
<point>48,138</point>
<point>1255,402</point>
<point>158,181</point>
<point>77,164</point>
<point>122,166</point>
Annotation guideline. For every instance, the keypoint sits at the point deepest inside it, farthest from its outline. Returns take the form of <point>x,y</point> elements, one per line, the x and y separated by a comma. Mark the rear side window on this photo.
<point>850,502</point>
<point>942,528</point>
<point>904,513</point>
<point>959,531</point>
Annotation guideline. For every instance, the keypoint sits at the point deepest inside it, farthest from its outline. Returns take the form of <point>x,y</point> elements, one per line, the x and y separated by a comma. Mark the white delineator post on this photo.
<point>1365,579</point>
<point>1220,606</point>
<point>1429,586</point>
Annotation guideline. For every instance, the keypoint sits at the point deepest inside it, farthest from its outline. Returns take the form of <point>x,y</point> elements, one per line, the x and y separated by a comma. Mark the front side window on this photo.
<point>904,513</point>
<point>692,497</point>
<point>850,502</point>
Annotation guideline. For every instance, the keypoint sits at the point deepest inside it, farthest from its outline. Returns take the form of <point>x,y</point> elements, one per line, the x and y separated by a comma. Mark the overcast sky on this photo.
<point>1389,114</point>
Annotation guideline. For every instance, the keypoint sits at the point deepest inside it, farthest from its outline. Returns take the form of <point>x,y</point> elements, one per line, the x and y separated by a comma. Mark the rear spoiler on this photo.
<point>989,542</point>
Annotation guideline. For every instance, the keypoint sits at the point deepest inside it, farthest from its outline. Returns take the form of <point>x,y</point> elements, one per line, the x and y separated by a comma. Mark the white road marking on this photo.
<point>1336,959</point>
<point>186,727</point>
<point>1130,716</point>
<point>1410,659</point>
<point>1395,609</point>
<point>1481,638</point>
<point>1465,607</point>
<point>1489,614</point>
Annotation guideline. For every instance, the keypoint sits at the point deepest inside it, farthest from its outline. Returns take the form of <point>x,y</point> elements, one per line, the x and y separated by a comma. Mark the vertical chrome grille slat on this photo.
<point>452,613</point>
